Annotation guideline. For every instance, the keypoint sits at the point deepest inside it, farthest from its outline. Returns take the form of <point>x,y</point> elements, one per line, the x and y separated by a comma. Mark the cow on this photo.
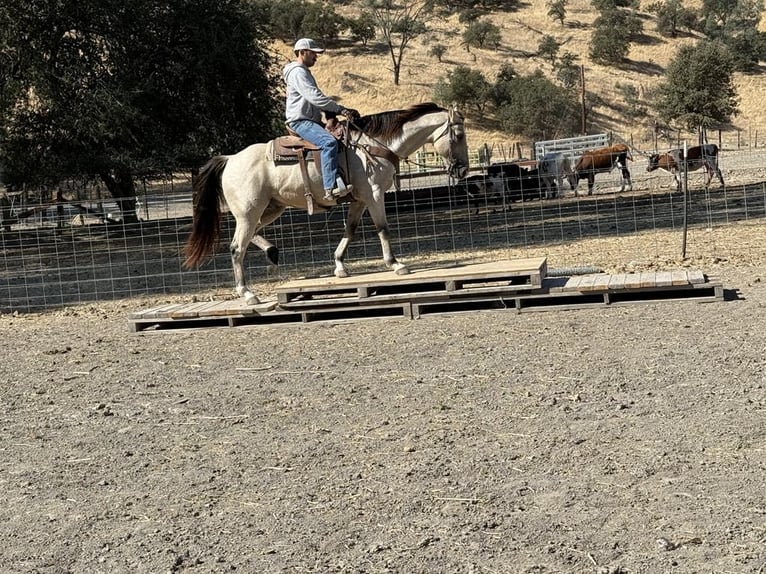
<point>516,181</point>
<point>505,179</point>
<point>696,157</point>
<point>480,190</point>
<point>553,168</point>
<point>602,160</point>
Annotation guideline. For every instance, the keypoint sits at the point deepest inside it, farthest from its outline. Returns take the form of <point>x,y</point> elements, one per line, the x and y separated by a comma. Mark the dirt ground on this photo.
<point>628,439</point>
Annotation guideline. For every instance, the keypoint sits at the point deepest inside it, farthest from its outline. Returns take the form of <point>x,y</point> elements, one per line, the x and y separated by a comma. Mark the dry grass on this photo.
<point>362,78</point>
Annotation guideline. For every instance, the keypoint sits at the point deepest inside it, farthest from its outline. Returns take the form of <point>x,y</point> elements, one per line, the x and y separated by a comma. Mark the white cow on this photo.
<point>554,167</point>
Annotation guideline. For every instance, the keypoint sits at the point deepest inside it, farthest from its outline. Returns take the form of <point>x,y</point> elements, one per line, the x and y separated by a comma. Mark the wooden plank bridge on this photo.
<point>520,285</point>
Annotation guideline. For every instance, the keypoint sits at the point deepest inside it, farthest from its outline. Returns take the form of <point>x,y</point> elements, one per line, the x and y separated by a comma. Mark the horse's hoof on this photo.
<point>401,270</point>
<point>251,299</point>
<point>341,273</point>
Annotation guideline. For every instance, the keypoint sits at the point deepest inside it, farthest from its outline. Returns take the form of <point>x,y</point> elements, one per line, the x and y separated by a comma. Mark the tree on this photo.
<point>466,87</point>
<point>729,17</point>
<point>480,34</point>
<point>400,24</point>
<point>672,17</point>
<point>293,19</point>
<point>613,31</point>
<point>557,10</point>
<point>535,107</point>
<point>567,72</point>
<point>118,89</point>
<point>548,48</point>
<point>698,89</point>
<point>437,51</point>
<point>735,22</point>
<point>362,28</point>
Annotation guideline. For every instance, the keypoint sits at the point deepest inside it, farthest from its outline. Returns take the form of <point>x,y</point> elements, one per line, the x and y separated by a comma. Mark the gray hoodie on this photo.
<point>305,101</point>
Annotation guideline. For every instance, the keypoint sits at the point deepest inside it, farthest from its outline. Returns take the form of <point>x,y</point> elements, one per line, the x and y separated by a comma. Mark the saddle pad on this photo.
<point>286,149</point>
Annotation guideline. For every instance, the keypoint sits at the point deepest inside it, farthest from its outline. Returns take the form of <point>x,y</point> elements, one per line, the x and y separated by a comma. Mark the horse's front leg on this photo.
<point>377,211</point>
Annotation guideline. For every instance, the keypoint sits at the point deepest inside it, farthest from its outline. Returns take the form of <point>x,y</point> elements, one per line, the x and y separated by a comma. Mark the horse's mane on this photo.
<point>386,125</point>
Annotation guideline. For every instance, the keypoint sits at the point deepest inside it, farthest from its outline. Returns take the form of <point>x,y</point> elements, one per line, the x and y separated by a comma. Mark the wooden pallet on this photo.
<point>517,274</point>
<point>437,291</point>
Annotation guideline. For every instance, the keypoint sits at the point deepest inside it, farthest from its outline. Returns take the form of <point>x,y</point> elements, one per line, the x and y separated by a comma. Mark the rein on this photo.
<point>385,152</point>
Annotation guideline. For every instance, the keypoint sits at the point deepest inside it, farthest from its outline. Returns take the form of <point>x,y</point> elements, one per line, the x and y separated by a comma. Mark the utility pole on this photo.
<point>583,125</point>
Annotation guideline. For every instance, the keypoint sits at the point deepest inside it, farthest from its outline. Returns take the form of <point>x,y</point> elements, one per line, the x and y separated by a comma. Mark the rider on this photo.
<point>305,104</point>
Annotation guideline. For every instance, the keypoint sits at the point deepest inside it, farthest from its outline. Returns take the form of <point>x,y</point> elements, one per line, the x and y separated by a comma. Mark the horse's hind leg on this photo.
<point>243,234</point>
<point>273,211</point>
<point>354,216</point>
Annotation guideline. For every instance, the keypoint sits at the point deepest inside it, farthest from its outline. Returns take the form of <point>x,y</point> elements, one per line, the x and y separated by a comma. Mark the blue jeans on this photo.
<point>316,134</point>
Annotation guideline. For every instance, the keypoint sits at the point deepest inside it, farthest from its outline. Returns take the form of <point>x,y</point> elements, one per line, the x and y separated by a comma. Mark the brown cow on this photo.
<point>696,157</point>
<point>602,160</point>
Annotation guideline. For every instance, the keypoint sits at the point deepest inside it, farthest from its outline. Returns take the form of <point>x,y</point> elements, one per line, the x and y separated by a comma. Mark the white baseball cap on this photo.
<point>307,44</point>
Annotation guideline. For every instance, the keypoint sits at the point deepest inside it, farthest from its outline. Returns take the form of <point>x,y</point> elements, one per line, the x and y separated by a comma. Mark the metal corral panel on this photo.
<point>571,147</point>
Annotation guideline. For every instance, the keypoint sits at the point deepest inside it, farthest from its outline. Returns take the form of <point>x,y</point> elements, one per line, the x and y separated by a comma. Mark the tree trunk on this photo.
<point>122,189</point>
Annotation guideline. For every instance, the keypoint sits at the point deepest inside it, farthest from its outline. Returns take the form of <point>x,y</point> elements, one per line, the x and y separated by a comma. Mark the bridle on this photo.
<point>454,119</point>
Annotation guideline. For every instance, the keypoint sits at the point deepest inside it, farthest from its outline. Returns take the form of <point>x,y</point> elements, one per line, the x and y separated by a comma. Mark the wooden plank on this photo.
<point>632,280</point>
<point>573,283</point>
<point>695,277</point>
<point>586,282</point>
<point>158,312</point>
<point>679,277</point>
<point>664,279</point>
<point>601,282</point>
<point>191,310</point>
<point>617,281</point>
<point>240,307</point>
<point>648,279</point>
<point>493,270</point>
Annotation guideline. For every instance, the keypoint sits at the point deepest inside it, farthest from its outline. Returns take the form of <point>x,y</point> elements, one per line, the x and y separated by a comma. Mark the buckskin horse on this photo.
<point>257,190</point>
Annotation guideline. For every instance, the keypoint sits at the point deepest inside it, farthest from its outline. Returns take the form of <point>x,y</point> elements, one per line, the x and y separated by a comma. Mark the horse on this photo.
<point>257,190</point>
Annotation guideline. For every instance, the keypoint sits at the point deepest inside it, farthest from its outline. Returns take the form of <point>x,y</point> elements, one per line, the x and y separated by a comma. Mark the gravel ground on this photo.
<point>615,440</point>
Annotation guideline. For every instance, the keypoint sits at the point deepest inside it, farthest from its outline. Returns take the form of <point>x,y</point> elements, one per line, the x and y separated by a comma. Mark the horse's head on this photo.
<point>450,143</point>
<point>654,162</point>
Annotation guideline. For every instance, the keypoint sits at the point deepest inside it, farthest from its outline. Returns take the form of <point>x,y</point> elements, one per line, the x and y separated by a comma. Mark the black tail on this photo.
<point>206,227</point>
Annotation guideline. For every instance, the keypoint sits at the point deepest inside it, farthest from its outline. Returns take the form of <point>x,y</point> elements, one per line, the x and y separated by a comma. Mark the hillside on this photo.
<point>361,77</point>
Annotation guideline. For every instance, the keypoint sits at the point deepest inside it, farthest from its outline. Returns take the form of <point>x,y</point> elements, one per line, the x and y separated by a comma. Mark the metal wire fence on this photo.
<point>77,251</point>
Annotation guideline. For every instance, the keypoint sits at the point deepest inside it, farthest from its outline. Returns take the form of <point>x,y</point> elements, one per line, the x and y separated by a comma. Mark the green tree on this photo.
<point>548,48</point>
<point>567,72</point>
<point>673,17</point>
<point>481,34</point>
<point>613,31</point>
<point>289,20</point>
<point>557,10</point>
<point>735,22</point>
<point>466,87</point>
<point>362,28</point>
<point>730,17</point>
<point>116,89</point>
<point>535,107</point>
<point>698,88</point>
<point>437,51</point>
<point>605,5</point>
<point>400,23</point>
